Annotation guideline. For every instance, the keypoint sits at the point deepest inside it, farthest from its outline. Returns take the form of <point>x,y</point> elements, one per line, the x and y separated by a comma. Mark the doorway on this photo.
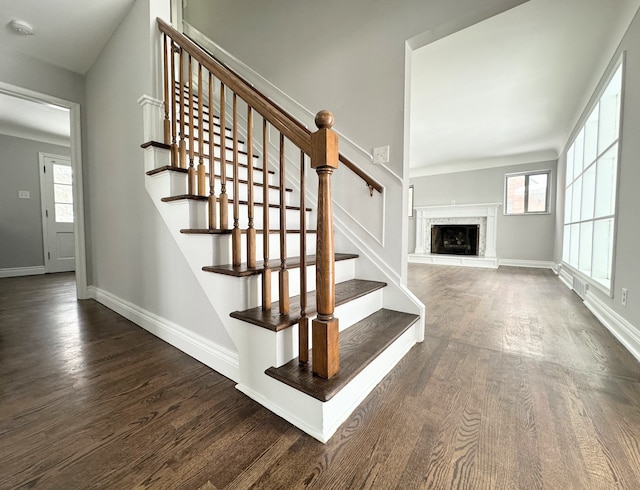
<point>77,204</point>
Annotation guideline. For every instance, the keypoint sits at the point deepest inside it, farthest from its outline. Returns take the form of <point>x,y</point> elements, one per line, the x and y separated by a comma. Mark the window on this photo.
<point>591,182</point>
<point>527,193</point>
<point>62,193</point>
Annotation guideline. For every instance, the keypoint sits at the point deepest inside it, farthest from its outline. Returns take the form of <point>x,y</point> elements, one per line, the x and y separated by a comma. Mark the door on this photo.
<point>56,193</point>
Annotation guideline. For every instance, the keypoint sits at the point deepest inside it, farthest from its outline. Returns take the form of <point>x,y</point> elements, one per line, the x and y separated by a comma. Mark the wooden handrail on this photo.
<point>293,129</point>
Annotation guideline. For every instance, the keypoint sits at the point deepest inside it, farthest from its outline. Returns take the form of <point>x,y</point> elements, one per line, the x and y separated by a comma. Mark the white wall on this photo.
<point>131,254</point>
<point>21,243</point>
<point>348,57</point>
<point>519,237</point>
<point>627,249</point>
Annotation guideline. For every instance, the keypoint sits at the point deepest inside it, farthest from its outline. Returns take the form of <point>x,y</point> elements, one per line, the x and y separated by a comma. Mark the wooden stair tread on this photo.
<point>359,345</point>
<point>229,179</point>
<point>273,320</point>
<point>225,231</point>
<point>193,197</point>
<point>164,146</point>
<point>274,264</point>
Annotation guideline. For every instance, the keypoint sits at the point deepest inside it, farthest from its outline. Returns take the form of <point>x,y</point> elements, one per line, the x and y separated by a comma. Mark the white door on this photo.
<point>56,193</point>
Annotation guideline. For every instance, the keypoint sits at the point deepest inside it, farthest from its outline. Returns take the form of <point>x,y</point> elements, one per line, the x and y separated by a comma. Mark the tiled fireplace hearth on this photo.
<point>483,215</point>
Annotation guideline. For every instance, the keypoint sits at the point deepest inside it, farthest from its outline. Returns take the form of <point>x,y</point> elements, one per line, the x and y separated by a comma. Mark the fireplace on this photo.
<point>455,239</point>
<point>482,216</point>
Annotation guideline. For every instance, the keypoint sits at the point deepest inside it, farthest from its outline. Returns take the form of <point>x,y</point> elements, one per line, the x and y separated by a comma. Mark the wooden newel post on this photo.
<point>324,329</point>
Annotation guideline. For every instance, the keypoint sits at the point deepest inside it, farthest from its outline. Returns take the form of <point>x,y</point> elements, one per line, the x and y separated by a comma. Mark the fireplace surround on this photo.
<point>485,216</point>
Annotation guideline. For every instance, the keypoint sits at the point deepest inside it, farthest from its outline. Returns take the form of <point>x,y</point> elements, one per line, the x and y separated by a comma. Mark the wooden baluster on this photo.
<point>251,231</point>
<point>324,158</point>
<point>213,217</point>
<point>202,173</point>
<point>224,198</point>
<point>182,148</point>
<point>284,273</point>
<point>236,249</point>
<point>191,176</point>
<point>167,121</point>
<point>174,112</point>
<point>303,323</point>
<point>266,274</point>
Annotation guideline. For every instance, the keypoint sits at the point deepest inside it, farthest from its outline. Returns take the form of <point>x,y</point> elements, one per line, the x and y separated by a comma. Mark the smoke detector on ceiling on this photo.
<point>21,27</point>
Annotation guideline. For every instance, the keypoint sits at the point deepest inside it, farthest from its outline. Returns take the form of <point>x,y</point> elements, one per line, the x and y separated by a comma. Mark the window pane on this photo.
<point>537,196</point>
<point>591,138</point>
<point>62,174</point>
<point>610,112</point>
<point>515,194</point>
<point>63,193</point>
<point>602,250</point>
<point>64,213</point>
<point>569,165</point>
<point>566,243</point>
<point>579,154</point>
<point>567,204</point>
<point>586,241</point>
<point>588,193</point>
<point>606,185</point>
<point>577,195</point>
<point>575,245</point>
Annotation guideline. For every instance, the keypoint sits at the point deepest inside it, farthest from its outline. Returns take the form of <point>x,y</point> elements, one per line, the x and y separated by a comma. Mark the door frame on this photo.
<point>76,165</point>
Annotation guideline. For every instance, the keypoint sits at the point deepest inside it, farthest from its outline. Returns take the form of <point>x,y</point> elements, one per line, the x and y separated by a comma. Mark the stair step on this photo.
<point>273,320</point>
<point>229,179</point>
<point>193,197</point>
<point>227,231</point>
<point>184,170</point>
<point>274,264</point>
<point>359,345</point>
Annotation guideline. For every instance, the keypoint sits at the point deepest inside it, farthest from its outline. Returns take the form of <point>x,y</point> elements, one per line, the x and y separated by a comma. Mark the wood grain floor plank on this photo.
<point>517,385</point>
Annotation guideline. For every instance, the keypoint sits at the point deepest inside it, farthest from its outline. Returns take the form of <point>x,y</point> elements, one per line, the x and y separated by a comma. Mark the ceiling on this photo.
<point>510,89</point>
<point>34,120</point>
<point>67,33</point>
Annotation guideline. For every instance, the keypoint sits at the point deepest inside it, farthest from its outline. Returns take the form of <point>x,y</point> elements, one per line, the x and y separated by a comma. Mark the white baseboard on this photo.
<point>534,264</point>
<point>625,332</point>
<point>207,352</point>
<point>22,271</point>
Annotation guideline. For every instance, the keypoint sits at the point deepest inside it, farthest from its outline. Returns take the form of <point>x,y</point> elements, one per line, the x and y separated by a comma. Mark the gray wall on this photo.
<point>21,219</point>
<point>27,72</point>
<point>627,248</point>
<point>131,254</point>
<point>345,56</point>
<point>519,237</point>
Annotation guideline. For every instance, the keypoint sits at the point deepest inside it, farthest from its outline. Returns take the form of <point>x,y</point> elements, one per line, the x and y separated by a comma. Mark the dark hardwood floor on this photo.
<point>516,386</point>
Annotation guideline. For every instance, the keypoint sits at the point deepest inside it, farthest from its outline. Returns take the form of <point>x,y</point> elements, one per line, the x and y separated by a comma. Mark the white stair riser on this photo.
<point>198,212</point>
<point>216,141</point>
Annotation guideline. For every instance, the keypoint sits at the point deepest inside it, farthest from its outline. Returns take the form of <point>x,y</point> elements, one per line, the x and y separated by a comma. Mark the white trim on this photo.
<point>533,264</point>
<point>76,165</point>
<point>22,271</point>
<point>455,260</point>
<point>620,328</point>
<point>204,350</point>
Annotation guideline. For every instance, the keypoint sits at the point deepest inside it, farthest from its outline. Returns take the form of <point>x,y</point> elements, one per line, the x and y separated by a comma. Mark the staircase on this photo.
<point>238,207</point>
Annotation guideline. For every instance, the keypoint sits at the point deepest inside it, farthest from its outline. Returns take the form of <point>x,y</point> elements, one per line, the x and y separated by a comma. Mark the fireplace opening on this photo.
<point>455,239</point>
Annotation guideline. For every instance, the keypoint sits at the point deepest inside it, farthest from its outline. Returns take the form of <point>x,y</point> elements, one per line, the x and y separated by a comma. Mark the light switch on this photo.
<point>24,195</point>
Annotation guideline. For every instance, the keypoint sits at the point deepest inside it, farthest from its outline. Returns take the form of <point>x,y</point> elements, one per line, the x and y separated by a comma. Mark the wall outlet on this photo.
<point>623,298</point>
<point>381,155</point>
<point>24,194</point>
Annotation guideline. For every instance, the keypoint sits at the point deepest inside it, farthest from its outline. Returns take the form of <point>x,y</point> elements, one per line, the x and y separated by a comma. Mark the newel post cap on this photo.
<point>324,142</point>
<point>324,119</point>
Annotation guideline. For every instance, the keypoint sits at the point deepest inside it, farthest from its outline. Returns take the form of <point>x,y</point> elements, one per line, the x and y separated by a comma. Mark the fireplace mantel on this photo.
<point>484,211</point>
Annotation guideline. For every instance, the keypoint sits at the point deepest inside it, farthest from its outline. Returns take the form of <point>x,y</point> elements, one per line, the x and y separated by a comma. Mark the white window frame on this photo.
<point>588,277</point>
<point>526,192</point>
